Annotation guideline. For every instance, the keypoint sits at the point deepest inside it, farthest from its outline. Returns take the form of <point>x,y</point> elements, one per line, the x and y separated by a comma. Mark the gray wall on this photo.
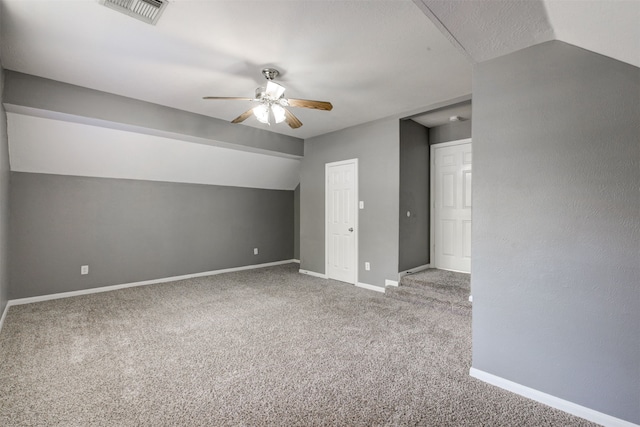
<point>128,231</point>
<point>43,95</point>
<point>556,225</point>
<point>450,132</point>
<point>376,146</point>
<point>4,202</point>
<point>296,223</point>
<point>414,196</point>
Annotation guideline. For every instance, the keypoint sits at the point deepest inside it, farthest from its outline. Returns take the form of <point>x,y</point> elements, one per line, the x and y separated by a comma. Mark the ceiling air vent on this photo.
<point>148,11</point>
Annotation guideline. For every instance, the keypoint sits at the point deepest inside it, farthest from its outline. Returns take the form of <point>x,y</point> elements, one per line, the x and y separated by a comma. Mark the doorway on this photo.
<point>451,175</point>
<point>341,214</point>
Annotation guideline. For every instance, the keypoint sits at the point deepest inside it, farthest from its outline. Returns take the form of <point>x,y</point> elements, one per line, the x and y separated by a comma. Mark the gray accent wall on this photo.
<point>376,146</point>
<point>31,95</point>
<point>296,223</point>
<point>556,225</point>
<point>454,131</point>
<point>414,196</point>
<point>4,202</point>
<point>129,231</point>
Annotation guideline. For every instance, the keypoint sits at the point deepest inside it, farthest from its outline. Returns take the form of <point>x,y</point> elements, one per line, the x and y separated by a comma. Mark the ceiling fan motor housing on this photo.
<point>270,73</point>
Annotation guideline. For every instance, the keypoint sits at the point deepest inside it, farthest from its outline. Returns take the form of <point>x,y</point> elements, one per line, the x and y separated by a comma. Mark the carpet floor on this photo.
<point>434,286</point>
<point>253,348</point>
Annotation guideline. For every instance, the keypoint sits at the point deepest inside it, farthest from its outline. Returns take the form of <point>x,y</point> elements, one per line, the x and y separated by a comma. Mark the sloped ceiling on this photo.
<point>371,59</point>
<point>487,29</point>
<point>610,28</point>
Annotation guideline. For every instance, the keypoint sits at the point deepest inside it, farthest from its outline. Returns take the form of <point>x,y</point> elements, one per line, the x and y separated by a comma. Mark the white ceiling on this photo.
<point>370,58</point>
<point>487,29</point>
<point>490,28</point>
<point>608,27</point>
<point>443,115</point>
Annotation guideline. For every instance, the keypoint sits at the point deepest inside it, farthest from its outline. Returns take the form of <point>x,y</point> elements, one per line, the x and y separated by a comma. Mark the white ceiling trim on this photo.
<point>42,145</point>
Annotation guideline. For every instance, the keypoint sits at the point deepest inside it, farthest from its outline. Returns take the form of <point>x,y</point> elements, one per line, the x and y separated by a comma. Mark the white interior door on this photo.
<point>451,195</point>
<point>341,214</point>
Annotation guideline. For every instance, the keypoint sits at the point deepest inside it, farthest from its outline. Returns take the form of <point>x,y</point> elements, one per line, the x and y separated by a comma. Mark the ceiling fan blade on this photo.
<point>291,120</point>
<point>244,116</point>
<point>227,98</point>
<point>307,103</point>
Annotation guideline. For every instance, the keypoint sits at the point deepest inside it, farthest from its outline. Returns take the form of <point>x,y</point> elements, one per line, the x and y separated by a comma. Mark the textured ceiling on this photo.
<point>443,115</point>
<point>371,59</point>
<point>487,29</point>
<point>490,28</point>
<point>610,28</point>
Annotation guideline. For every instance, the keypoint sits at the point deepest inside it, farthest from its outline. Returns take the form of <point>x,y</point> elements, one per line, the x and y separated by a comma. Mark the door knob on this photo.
<point>351,229</point>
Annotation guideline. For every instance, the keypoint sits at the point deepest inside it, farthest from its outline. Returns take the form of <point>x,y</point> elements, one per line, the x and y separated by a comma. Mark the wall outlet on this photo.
<point>367,266</point>
<point>255,251</point>
<point>84,269</point>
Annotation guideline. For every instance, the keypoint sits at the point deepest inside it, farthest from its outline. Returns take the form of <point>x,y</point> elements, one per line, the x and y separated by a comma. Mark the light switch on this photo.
<point>361,204</point>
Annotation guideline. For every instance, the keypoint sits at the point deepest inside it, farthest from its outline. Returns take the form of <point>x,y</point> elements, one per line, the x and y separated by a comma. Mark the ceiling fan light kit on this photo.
<point>265,113</point>
<point>272,103</point>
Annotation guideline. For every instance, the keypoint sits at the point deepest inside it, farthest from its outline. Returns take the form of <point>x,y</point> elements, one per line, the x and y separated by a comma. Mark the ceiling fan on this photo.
<point>272,103</point>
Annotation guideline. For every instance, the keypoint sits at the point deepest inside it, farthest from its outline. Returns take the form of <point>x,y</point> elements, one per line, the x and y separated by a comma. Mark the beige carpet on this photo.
<point>254,348</point>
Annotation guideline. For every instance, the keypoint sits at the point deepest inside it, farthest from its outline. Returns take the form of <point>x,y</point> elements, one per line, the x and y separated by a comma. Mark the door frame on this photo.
<point>432,196</point>
<point>356,232</point>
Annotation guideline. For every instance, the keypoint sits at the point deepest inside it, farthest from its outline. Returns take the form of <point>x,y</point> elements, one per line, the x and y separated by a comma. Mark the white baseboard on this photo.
<point>4,314</point>
<point>370,287</point>
<point>413,270</point>
<point>313,273</point>
<point>549,400</point>
<point>297,261</point>
<point>40,298</point>
<point>358,284</point>
<point>388,282</point>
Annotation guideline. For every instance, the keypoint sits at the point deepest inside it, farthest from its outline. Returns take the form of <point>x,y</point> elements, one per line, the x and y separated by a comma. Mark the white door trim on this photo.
<point>326,215</point>
<point>432,192</point>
